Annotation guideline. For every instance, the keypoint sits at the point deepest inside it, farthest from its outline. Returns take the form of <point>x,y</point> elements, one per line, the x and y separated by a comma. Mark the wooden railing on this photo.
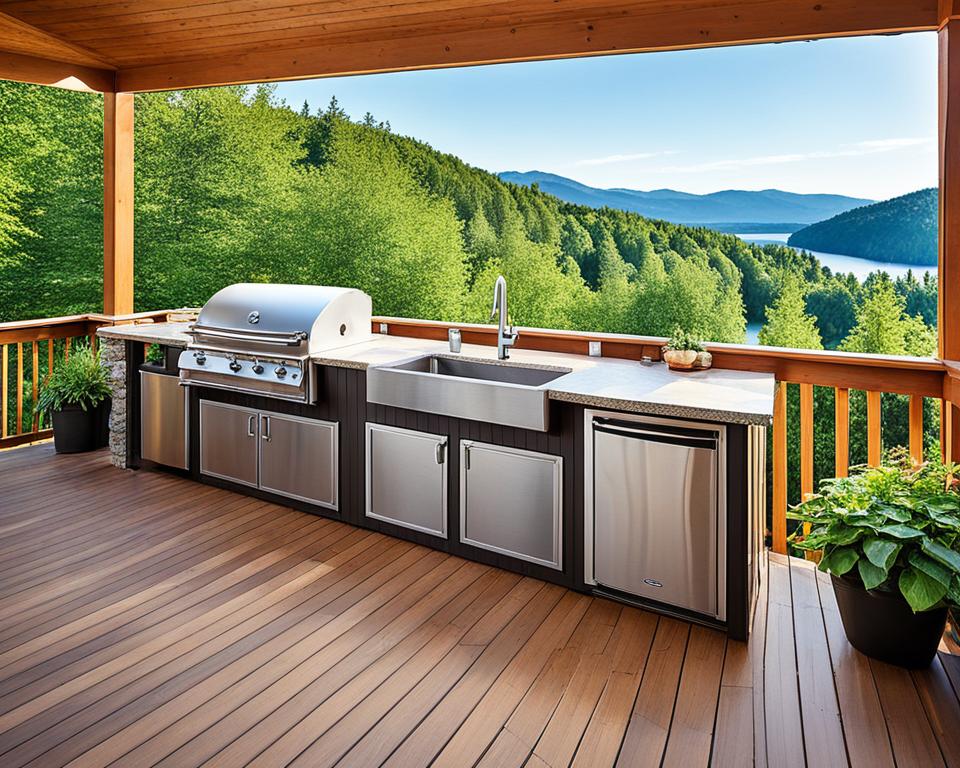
<point>29,351</point>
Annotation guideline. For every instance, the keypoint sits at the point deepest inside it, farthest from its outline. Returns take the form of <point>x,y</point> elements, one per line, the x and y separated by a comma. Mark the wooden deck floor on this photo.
<point>148,620</point>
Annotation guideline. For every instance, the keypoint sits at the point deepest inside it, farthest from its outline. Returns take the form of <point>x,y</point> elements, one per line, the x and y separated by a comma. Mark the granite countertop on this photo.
<point>171,334</point>
<point>739,397</point>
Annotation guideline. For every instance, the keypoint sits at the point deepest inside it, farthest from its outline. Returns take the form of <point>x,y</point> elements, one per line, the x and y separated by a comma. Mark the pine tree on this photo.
<point>788,324</point>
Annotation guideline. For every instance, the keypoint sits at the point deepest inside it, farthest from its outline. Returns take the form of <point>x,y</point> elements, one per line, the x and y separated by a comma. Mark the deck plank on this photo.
<point>781,688</point>
<point>822,728</point>
<point>864,726</point>
<point>201,627</point>
<point>649,725</point>
<point>942,708</point>
<point>911,736</point>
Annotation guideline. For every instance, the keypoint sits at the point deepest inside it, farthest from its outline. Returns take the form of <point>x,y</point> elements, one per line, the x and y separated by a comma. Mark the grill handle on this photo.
<point>280,340</point>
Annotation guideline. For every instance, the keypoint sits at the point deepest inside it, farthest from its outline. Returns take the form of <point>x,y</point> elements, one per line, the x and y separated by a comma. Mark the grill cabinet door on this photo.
<point>298,458</point>
<point>228,442</point>
<point>407,478</point>
<point>510,502</point>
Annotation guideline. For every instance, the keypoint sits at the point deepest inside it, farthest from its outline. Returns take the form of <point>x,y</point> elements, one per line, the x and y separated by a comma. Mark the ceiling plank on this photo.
<point>73,77</point>
<point>17,36</point>
<point>713,23</point>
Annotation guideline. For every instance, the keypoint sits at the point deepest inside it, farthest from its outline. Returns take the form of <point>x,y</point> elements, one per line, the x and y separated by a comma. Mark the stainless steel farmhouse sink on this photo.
<point>501,393</point>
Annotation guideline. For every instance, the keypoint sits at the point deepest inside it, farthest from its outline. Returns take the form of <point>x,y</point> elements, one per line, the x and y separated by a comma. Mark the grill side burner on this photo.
<point>258,337</point>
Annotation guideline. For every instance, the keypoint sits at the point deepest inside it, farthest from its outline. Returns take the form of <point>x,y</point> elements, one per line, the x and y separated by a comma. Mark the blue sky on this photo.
<point>853,116</point>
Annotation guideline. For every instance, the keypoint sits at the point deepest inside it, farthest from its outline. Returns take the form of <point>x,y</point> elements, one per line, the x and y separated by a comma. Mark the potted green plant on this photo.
<point>155,356</point>
<point>684,351</point>
<point>890,538</point>
<point>75,396</point>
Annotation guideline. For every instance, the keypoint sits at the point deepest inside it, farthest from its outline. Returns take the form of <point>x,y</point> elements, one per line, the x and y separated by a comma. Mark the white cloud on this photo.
<point>858,149</point>
<point>611,159</point>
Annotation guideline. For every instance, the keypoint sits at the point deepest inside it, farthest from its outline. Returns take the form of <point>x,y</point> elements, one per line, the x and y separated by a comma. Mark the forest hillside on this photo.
<point>902,230</point>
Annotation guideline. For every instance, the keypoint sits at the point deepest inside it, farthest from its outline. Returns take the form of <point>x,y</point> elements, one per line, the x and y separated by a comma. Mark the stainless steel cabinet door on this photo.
<point>299,458</point>
<point>228,442</point>
<point>510,502</point>
<point>407,478</point>
<point>163,420</point>
<point>655,518</point>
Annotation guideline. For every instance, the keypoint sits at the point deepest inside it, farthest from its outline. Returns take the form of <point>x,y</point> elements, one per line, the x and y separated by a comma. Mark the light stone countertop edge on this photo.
<point>737,397</point>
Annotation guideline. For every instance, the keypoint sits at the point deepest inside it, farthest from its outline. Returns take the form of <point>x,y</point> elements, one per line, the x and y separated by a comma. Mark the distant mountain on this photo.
<point>902,230</point>
<point>732,206</point>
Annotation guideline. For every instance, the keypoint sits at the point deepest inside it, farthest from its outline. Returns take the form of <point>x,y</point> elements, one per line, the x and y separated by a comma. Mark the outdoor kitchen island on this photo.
<point>520,498</point>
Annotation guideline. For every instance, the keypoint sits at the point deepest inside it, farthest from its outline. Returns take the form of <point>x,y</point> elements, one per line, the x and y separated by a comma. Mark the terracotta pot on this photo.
<point>680,358</point>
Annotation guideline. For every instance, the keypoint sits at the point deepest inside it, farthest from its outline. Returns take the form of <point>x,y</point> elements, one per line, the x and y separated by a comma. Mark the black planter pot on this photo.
<point>882,626</point>
<point>76,430</point>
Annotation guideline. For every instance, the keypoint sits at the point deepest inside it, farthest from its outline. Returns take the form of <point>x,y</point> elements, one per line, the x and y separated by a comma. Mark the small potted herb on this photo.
<point>155,356</point>
<point>684,351</point>
<point>890,537</point>
<point>73,396</point>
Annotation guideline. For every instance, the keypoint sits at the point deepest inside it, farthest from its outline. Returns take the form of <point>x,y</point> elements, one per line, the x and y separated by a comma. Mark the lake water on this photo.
<point>837,263</point>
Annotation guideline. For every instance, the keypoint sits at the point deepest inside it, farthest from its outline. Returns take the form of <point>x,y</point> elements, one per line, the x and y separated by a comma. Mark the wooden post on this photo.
<point>948,315</point>
<point>117,203</point>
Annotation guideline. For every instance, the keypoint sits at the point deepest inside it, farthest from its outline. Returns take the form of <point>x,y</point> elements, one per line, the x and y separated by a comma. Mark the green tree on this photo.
<point>883,327</point>
<point>788,324</point>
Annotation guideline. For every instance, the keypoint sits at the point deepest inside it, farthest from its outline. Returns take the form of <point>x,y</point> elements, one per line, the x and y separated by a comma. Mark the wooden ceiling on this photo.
<point>162,44</point>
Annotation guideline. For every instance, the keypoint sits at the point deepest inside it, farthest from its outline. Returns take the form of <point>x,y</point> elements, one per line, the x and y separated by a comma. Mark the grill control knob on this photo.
<point>257,367</point>
<point>200,358</point>
<point>234,365</point>
<point>280,370</point>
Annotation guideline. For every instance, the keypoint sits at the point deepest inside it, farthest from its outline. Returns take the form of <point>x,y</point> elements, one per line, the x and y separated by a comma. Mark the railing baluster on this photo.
<point>916,428</point>
<point>842,427</point>
<point>874,442</point>
<point>4,391</point>
<point>34,420</point>
<point>66,349</point>
<point>50,347</point>
<point>806,440</point>
<point>18,428</point>
<point>780,468</point>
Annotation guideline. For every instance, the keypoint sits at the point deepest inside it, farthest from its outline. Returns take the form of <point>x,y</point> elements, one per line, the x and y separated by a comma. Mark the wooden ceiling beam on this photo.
<point>73,77</point>
<point>715,24</point>
<point>18,36</point>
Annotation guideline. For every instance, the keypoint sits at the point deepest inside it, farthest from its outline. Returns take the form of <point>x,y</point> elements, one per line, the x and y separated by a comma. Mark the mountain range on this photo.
<point>728,210</point>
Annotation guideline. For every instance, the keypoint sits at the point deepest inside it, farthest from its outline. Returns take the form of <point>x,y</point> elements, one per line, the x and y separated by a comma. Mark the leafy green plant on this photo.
<point>892,528</point>
<point>154,354</point>
<point>684,340</point>
<point>79,381</point>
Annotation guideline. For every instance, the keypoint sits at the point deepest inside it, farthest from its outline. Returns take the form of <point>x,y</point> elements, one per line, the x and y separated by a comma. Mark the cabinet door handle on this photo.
<point>441,447</point>
<point>250,426</point>
<point>265,428</point>
<point>466,457</point>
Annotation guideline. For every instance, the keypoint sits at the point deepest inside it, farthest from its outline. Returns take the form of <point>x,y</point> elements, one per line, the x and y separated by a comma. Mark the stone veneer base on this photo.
<point>113,357</point>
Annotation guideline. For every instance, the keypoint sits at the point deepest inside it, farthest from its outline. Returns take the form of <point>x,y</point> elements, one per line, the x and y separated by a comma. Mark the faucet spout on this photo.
<point>506,336</point>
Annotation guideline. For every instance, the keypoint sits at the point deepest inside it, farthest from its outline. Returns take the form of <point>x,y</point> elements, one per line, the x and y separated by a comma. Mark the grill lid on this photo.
<point>271,308</point>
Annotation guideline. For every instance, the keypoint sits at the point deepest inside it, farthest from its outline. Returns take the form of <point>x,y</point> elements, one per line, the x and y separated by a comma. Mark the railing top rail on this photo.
<point>749,350</point>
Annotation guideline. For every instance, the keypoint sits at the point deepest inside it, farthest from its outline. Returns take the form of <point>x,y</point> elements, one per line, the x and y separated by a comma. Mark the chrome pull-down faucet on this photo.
<point>506,336</point>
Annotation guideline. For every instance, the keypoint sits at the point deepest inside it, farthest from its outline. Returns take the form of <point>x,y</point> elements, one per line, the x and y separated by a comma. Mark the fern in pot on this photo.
<point>77,397</point>
<point>890,538</point>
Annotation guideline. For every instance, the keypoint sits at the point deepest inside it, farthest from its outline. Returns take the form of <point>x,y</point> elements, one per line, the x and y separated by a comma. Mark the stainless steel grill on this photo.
<point>259,337</point>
